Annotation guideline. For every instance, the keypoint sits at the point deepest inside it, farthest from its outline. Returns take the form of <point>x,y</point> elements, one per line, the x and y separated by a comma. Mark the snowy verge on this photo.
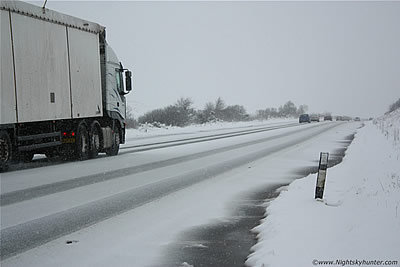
<point>357,223</point>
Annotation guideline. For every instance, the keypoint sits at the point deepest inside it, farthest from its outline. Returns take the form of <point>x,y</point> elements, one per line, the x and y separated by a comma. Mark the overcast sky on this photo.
<point>341,57</point>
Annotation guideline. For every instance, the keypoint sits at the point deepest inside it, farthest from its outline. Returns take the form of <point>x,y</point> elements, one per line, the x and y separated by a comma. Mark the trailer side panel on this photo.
<point>7,86</point>
<point>84,55</point>
<point>41,69</point>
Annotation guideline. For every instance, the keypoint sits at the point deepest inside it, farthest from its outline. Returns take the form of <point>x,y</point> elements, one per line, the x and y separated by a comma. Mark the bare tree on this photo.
<point>302,109</point>
<point>219,107</point>
<point>208,113</point>
<point>288,109</point>
<point>178,114</point>
<point>234,113</point>
<point>184,111</point>
<point>129,119</point>
<point>184,103</point>
<point>261,114</point>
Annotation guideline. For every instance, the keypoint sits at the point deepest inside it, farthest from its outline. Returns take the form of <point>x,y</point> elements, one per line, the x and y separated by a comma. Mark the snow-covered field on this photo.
<point>358,221</point>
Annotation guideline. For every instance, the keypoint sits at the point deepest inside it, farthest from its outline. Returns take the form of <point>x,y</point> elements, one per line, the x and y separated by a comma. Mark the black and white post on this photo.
<point>323,167</point>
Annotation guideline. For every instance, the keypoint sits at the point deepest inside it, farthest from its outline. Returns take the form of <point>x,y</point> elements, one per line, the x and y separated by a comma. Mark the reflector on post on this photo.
<point>322,168</point>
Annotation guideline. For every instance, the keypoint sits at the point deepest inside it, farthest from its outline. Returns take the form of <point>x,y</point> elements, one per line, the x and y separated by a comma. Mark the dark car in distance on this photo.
<point>327,118</point>
<point>304,118</point>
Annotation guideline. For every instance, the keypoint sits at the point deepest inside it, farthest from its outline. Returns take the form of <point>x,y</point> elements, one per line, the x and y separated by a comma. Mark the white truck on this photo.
<point>62,90</point>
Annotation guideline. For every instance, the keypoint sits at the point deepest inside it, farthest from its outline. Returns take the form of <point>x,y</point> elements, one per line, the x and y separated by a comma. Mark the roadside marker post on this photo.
<point>322,168</point>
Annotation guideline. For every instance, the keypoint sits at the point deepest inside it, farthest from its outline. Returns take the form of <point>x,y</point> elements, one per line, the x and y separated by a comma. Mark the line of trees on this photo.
<point>178,114</point>
<point>289,109</point>
<point>218,110</point>
<point>182,113</point>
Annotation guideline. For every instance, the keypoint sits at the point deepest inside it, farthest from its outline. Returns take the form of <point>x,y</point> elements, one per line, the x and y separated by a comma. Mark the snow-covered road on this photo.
<point>126,210</point>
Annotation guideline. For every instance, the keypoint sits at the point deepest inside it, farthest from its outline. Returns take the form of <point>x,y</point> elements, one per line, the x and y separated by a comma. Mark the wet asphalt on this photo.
<point>221,244</point>
<point>228,244</point>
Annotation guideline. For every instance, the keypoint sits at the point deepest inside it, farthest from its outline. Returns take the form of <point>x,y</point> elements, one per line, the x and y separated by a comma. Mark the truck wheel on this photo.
<point>5,151</point>
<point>94,141</point>
<point>82,143</point>
<point>113,150</point>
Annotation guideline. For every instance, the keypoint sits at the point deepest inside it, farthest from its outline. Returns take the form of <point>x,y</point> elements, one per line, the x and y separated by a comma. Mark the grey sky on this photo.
<point>342,57</point>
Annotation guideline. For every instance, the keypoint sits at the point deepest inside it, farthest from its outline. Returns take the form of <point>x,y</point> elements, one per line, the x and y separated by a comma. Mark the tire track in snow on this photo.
<point>192,140</point>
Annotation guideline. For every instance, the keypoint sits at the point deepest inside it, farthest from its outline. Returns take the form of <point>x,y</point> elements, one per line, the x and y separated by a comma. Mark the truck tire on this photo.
<point>82,142</point>
<point>113,150</point>
<point>94,140</point>
<point>5,151</point>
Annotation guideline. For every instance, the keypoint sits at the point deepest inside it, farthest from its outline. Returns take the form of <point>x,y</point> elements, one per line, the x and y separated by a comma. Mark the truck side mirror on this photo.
<point>128,80</point>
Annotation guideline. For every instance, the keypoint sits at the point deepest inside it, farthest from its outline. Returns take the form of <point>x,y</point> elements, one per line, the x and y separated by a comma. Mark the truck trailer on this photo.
<point>62,86</point>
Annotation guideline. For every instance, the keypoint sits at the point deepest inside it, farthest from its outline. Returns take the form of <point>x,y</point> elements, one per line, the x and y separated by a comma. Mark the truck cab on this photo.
<point>116,83</point>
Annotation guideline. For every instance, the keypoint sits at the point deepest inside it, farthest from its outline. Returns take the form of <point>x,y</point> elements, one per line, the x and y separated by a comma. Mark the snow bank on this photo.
<point>389,125</point>
<point>357,223</point>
